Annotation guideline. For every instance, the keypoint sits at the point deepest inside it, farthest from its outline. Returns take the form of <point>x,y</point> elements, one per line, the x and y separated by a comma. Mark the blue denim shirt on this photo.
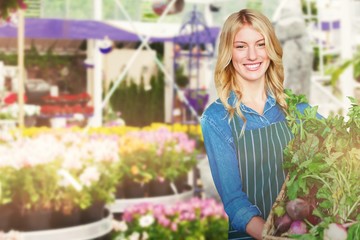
<point>221,152</point>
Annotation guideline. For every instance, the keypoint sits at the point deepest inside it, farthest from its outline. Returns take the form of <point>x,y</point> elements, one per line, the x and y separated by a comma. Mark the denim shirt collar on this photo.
<point>270,102</point>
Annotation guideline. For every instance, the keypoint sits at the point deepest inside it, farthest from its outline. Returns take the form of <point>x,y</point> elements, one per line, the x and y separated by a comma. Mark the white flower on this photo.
<point>145,236</point>
<point>134,236</point>
<point>120,226</point>
<point>104,150</point>
<point>72,159</point>
<point>29,110</point>
<point>146,221</point>
<point>90,175</point>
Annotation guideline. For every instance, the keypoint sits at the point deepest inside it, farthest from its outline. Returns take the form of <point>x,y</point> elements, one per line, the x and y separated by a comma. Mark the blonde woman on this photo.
<point>245,130</point>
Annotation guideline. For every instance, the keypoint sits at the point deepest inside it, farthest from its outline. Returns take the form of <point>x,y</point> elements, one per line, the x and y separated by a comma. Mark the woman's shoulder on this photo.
<point>215,111</point>
<point>216,115</point>
<point>215,118</point>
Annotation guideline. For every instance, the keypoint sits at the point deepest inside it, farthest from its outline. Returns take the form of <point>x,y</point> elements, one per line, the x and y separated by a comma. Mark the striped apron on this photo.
<point>260,156</point>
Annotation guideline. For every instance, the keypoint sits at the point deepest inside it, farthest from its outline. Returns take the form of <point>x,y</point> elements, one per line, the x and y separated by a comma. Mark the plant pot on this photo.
<point>93,213</point>
<point>36,220</point>
<point>7,216</point>
<point>119,193</point>
<point>159,188</point>
<point>134,189</point>
<point>62,219</point>
<point>181,183</point>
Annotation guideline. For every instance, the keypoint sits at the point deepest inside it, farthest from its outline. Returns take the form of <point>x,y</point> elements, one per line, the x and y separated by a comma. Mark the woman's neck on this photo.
<point>254,96</point>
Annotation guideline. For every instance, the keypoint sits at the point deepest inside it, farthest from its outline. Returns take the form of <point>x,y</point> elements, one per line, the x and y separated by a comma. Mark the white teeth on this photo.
<point>252,66</point>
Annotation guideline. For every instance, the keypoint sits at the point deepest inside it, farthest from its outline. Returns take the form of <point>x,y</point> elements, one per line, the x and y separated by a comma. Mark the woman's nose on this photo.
<point>252,55</point>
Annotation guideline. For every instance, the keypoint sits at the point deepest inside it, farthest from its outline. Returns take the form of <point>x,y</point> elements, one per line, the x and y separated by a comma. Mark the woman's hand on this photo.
<point>255,227</point>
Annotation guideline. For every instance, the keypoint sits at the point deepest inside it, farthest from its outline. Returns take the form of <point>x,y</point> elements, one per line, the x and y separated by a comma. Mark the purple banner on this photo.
<point>78,29</point>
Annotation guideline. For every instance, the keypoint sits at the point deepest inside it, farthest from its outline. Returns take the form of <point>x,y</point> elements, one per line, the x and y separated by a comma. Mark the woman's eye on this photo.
<point>240,46</point>
<point>261,44</point>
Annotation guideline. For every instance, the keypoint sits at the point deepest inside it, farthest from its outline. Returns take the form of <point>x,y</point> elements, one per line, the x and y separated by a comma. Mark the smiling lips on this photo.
<point>252,67</point>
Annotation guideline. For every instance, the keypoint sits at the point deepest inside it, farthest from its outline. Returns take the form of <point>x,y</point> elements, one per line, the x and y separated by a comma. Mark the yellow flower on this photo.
<point>134,170</point>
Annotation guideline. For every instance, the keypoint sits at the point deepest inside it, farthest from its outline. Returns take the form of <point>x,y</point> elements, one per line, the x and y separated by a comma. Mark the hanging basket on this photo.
<point>105,50</point>
<point>105,46</point>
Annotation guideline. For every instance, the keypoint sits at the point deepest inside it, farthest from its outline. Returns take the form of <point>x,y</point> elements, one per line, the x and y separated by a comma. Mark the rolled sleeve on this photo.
<point>243,217</point>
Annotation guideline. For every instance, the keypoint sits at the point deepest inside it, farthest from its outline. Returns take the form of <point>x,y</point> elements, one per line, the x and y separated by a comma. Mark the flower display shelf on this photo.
<point>68,99</point>
<point>121,204</point>
<point>81,232</point>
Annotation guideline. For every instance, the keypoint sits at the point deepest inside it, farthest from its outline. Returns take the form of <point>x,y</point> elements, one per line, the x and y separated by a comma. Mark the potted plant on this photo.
<point>156,156</point>
<point>90,172</point>
<point>6,206</point>
<point>136,156</point>
<point>175,157</point>
<point>33,179</point>
<point>59,175</point>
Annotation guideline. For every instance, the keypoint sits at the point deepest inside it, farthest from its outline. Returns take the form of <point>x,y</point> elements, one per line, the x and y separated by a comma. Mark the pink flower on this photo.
<point>127,216</point>
<point>163,220</point>
<point>174,226</point>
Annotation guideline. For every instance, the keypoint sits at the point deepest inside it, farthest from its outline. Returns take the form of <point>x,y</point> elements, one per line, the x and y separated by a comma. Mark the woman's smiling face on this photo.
<point>249,56</point>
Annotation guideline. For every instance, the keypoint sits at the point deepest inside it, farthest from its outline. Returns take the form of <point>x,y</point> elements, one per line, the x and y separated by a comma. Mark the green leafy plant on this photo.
<point>322,161</point>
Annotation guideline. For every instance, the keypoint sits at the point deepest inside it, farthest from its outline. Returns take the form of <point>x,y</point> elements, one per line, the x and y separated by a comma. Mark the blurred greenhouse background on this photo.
<point>331,37</point>
<point>136,75</point>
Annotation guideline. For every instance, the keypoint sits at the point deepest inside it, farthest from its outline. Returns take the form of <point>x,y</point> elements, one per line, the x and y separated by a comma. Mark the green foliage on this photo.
<point>29,188</point>
<point>49,59</point>
<point>139,107</point>
<point>335,72</point>
<point>322,160</point>
<point>313,9</point>
<point>354,231</point>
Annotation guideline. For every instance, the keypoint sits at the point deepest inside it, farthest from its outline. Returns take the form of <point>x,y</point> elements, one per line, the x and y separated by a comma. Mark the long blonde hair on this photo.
<point>225,80</point>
